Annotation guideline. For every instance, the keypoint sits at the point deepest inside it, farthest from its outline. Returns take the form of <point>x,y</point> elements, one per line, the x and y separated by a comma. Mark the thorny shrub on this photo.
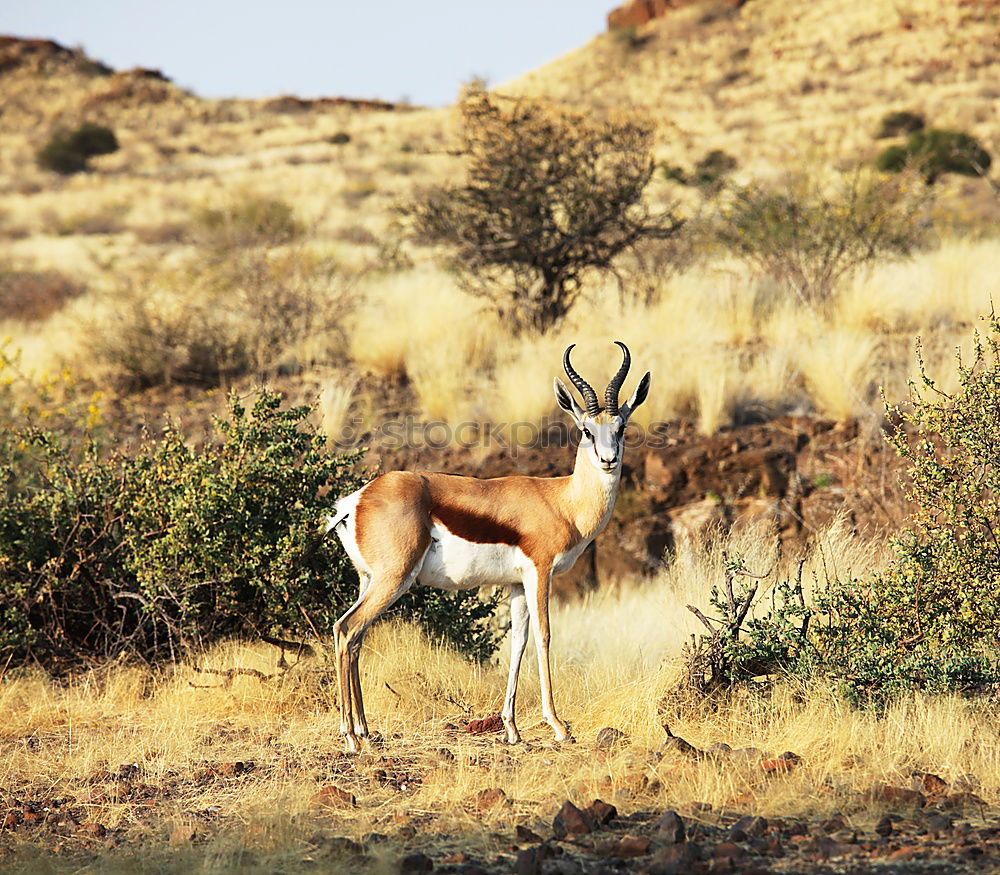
<point>550,195</point>
<point>810,236</point>
<point>174,547</point>
<point>931,620</point>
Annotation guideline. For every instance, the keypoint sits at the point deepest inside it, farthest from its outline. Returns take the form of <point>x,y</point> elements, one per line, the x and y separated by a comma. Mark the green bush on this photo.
<point>809,236</point>
<point>67,152</point>
<point>898,122</point>
<point>933,152</point>
<point>175,547</point>
<point>931,621</point>
<point>713,167</point>
<point>247,221</point>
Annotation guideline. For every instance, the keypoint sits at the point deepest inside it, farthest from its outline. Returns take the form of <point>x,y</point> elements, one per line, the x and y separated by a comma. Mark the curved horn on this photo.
<point>611,393</point>
<point>585,389</point>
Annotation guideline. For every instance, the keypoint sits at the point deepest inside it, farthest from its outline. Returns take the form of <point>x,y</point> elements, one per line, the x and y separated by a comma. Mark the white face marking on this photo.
<point>603,442</point>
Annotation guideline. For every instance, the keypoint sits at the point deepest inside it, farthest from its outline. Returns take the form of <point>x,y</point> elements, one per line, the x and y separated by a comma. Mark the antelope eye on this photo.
<point>587,434</point>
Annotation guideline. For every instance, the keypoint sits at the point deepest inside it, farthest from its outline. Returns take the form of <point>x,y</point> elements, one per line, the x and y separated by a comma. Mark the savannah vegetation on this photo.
<point>159,506</point>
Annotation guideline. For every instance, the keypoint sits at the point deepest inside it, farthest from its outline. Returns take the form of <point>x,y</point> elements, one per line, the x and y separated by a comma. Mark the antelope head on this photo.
<point>602,428</point>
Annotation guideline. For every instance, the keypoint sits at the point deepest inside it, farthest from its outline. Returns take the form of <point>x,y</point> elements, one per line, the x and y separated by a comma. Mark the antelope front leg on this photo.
<point>537,587</point>
<point>518,638</point>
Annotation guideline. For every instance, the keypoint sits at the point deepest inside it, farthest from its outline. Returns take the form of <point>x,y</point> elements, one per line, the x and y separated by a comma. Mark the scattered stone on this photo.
<point>676,744</point>
<point>670,828</point>
<point>826,848</point>
<point>571,819</point>
<point>416,863</point>
<point>832,824</point>
<point>747,827</point>
<point>12,819</point>
<point>234,770</point>
<point>332,796</point>
<point>884,827</point>
<point>939,824</point>
<point>626,847</point>
<point>927,783</point>
<point>675,859</point>
<point>529,860</point>
<point>720,748</point>
<point>790,756</point>
<point>493,723</point>
<point>484,800</point>
<point>602,812</point>
<point>93,830</point>
<point>455,859</point>
<point>610,738</point>
<point>729,851</point>
<point>526,835</point>
<point>776,766</point>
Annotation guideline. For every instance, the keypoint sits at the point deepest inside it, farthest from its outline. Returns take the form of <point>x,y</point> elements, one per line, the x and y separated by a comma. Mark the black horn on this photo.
<point>585,389</point>
<point>614,387</point>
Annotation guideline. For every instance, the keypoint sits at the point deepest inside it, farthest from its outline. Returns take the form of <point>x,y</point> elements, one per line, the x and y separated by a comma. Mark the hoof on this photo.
<point>351,743</point>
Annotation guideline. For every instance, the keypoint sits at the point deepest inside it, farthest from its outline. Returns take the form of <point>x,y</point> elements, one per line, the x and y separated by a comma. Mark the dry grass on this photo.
<point>177,725</point>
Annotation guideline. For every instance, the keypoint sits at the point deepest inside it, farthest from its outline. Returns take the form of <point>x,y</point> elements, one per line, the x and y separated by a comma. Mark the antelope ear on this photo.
<point>638,396</point>
<point>566,401</point>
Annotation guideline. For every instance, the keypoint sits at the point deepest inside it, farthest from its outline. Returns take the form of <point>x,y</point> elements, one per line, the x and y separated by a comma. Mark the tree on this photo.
<point>809,235</point>
<point>550,194</point>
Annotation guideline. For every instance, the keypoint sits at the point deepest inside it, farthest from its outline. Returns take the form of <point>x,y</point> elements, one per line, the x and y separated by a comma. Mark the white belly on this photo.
<point>454,563</point>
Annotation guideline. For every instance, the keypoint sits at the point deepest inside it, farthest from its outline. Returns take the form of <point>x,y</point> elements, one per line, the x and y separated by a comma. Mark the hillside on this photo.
<point>370,324</point>
<point>774,82</point>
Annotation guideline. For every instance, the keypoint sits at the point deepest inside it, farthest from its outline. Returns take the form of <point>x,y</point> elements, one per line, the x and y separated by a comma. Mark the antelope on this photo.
<point>457,533</point>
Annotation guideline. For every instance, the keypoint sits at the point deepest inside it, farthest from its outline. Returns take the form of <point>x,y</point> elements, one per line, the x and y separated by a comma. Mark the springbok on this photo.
<point>457,533</point>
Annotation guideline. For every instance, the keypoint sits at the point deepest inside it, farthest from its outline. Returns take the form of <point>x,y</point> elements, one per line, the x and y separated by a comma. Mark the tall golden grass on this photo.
<point>615,656</point>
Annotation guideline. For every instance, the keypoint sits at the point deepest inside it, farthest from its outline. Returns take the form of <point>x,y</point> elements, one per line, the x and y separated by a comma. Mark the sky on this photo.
<point>388,49</point>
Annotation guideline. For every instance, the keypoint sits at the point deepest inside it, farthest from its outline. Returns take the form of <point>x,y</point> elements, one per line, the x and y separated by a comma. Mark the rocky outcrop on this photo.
<point>795,473</point>
<point>639,12</point>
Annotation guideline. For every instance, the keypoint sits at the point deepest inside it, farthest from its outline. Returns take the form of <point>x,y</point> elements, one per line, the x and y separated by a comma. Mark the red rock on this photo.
<point>675,859</point>
<point>729,851</point>
<point>493,723</point>
<point>630,846</point>
<point>455,859</point>
<point>416,863</point>
<point>930,784</point>
<point>92,829</point>
<point>670,827</point>
<point>526,835</point>
<point>571,819</point>
<point>333,797</point>
<point>602,812</point>
<point>610,738</point>
<point>12,820</point>
<point>484,800</point>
